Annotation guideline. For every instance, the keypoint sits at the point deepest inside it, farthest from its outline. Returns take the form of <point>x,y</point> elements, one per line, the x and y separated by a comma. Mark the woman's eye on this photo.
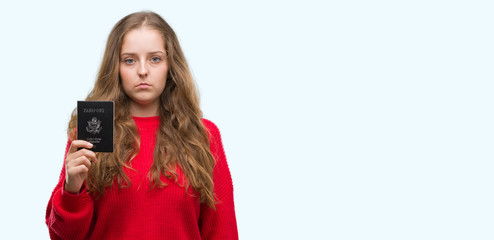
<point>129,61</point>
<point>155,59</point>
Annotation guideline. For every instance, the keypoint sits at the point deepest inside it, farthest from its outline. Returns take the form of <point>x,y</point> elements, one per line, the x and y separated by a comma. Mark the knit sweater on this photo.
<point>139,212</point>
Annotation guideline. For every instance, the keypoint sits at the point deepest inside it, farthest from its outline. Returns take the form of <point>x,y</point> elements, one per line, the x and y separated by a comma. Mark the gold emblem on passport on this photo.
<point>94,126</point>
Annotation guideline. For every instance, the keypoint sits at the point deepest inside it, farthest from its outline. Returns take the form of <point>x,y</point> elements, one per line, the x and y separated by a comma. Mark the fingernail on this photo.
<point>90,145</point>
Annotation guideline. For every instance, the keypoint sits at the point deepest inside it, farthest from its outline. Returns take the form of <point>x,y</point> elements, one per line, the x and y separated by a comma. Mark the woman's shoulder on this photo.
<point>215,142</point>
<point>210,126</point>
<point>213,133</point>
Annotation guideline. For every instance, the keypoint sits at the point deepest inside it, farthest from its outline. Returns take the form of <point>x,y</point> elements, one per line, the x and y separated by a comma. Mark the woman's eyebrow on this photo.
<point>155,52</point>
<point>127,54</point>
<point>150,53</point>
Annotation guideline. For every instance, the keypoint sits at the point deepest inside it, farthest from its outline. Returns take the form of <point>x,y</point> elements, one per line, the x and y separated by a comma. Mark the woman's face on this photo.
<point>143,68</point>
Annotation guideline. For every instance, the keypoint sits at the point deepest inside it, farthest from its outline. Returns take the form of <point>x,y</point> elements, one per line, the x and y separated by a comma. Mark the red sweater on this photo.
<point>140,213</point>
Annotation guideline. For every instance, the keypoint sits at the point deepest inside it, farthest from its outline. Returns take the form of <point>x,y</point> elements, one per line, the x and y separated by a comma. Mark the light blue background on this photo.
<point>340,119</point>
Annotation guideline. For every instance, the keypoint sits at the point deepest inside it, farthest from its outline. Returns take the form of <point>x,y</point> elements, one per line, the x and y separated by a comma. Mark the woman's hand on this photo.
<point>77,164</point>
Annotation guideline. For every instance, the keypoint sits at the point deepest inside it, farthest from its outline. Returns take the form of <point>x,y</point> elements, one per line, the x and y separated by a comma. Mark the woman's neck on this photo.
<point>148,110</point>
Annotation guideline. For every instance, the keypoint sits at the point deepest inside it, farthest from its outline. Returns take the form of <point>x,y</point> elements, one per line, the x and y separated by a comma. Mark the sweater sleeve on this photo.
<point>68,216</point>
<point>220,223</point>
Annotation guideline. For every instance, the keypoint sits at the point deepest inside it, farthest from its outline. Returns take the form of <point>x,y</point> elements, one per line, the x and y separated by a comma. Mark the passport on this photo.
<point>95,120</point>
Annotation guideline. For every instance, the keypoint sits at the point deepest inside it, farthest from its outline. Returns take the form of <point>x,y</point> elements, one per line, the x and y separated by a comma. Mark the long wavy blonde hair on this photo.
<point>181,140</point>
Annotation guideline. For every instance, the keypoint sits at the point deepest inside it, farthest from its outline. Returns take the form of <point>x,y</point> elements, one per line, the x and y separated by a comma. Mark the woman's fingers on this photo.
<point>85,152</point>
<point>83,147</point>
<point>76,144</point>
<point>82,160</point>
<point>83,168</point>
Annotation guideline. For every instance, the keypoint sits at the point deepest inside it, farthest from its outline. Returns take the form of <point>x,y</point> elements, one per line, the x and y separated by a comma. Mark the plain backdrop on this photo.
<point>340,119</point>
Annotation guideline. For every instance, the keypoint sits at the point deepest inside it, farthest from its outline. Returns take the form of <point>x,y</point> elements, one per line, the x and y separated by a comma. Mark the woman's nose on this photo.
<point>142,71</point>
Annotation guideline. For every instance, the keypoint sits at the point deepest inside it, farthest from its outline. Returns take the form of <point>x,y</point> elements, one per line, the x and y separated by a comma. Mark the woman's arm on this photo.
<point>220,223</point>
<point>69,215</point>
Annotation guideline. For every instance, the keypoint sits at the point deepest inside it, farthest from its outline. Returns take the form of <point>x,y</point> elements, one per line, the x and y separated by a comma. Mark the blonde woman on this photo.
<point>167,177</point>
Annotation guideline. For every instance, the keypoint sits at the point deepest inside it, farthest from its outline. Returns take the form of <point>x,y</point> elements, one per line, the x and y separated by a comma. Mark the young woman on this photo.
<point>167,177</point>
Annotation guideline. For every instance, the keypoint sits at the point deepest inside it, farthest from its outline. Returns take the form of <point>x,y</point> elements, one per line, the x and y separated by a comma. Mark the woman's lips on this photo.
<point>143,86</point>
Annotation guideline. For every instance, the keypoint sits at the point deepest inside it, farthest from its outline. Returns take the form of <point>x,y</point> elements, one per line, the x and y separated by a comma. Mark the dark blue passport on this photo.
<point>95,124</point>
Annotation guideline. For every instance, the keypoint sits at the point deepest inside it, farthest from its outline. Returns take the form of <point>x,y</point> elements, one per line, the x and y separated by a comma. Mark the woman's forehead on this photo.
<point>143,40</point>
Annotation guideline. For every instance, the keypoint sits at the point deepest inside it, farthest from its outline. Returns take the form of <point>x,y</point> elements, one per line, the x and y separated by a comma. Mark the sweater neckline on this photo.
<point>146,121</point>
